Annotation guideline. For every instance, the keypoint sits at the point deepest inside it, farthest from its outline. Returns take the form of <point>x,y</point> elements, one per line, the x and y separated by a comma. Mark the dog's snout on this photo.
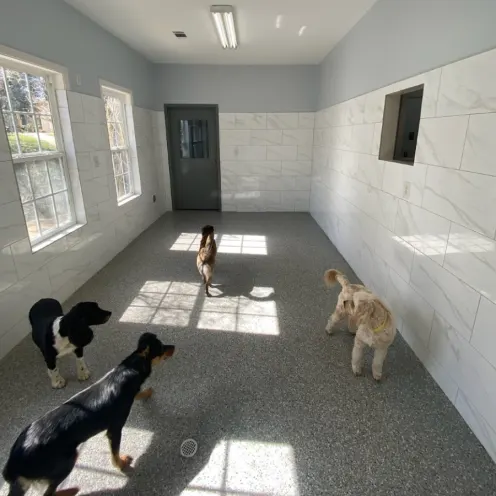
<point>169,350</point>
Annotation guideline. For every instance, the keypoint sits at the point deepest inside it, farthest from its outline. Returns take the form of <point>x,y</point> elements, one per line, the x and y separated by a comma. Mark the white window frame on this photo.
<point>126,100</point>
<point>54,80</point>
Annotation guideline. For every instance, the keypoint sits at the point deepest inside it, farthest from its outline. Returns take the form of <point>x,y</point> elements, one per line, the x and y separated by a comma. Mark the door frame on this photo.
<point>189,106</point>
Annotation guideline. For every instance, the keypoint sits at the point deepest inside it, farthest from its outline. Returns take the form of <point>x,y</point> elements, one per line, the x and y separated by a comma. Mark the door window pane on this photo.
<point>194,138</point>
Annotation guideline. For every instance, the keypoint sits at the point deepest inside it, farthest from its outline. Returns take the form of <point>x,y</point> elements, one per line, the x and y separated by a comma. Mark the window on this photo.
<point>401,125</point>
<point>116,111</point>
<point>194,138</point>
<point>30,115</point>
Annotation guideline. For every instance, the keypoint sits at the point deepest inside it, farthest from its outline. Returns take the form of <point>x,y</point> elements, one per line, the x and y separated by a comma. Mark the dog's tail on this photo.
<point>332,276</point>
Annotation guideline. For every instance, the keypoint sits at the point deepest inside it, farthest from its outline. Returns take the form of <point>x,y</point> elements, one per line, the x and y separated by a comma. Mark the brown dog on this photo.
<point>205,260</point>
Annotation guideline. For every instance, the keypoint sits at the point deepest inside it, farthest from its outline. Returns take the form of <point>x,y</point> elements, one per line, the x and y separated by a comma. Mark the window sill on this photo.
<point>56,237</point>
<point>127,200</point>
<point>395,161</point>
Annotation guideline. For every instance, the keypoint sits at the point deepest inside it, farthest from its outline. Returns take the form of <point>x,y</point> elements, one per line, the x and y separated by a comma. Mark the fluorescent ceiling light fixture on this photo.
<point>302,30</point>
<point>223,16</point>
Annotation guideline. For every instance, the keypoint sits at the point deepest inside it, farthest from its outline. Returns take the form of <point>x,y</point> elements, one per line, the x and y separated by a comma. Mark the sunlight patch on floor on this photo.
<point>243,244</point>
<point>256,314</point>
<point>163,303</point>
<point>94,462</point>
<point>247,468</point>
<point>226,243</point>
<point>188,242</point>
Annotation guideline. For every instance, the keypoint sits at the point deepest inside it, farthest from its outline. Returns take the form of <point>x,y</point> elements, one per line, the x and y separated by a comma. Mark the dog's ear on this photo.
<point>144,343</point>
<point>74,319</point>
<point>145,352</point>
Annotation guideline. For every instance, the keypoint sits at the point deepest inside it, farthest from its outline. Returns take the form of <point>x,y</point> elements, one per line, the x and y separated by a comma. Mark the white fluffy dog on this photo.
<point>368,318</point>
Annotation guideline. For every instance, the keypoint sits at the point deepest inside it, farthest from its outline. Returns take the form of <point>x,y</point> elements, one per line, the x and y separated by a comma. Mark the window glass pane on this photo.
<point>4,103</point>
<point>18,91</point>
<point>39,178</point>
<point>127,183</point>
<point>63,208</point>
<point>119,184</point>
<point>117,161</point>
<point>26,130</point>
<point>113,109</point>
<point>194,138</point>
<point>25,191</point>
<point>39,94</point>
<point>46,133</point>
<point>30,216</point>
<point>46,214</point>
<point>56,175</point>
<point>11,136</point>
<point>116,135</point>
<point>125,161</point>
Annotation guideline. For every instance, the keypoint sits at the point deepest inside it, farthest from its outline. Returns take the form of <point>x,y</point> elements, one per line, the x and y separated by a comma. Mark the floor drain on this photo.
<point>188,448</point>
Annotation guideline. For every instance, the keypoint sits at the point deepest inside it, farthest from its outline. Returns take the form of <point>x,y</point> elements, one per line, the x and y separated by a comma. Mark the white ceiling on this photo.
<point>267,29</point>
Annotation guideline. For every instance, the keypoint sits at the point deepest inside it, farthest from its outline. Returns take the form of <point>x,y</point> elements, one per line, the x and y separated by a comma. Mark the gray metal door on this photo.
<point>193,141</point>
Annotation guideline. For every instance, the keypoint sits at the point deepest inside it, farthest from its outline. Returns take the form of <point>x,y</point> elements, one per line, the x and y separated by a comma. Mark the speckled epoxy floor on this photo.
<point>256,381</point>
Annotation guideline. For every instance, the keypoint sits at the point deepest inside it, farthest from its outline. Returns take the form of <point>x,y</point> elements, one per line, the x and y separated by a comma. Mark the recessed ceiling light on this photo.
<point>302,30</point>
<point>278,21</point>
<point>223,16</point>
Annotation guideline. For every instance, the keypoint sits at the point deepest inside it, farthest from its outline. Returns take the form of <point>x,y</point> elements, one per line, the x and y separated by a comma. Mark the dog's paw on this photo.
<point>357,370</point>
<point>83,373</point>
<point>377,376</point>
<point>328,329</point>
<point>58,382</point>
<point>145,394</point>
<point>125,462</point>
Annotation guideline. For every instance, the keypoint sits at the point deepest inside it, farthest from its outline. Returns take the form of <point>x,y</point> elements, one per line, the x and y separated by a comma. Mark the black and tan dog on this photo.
<point>46,450</point>
<point>57,334</point>
<point>205,260</point>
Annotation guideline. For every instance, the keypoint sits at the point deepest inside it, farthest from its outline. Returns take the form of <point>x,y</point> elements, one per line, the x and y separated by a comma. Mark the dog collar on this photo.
<point>382,326</point>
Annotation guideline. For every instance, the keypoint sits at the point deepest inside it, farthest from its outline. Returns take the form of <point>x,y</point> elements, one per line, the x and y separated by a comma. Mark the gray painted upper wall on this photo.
<point>54,31</point>
<point>239,88</point>
<point>398,39</point>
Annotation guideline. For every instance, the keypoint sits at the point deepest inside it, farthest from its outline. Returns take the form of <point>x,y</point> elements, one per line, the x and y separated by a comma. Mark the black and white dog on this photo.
<point>57,334</point>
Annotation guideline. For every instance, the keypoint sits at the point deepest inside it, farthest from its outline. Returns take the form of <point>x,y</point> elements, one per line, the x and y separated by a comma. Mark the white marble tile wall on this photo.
<point>424,236</point>
<point>266,161</point>
<point>162,158</point>
<point>62,267</point>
